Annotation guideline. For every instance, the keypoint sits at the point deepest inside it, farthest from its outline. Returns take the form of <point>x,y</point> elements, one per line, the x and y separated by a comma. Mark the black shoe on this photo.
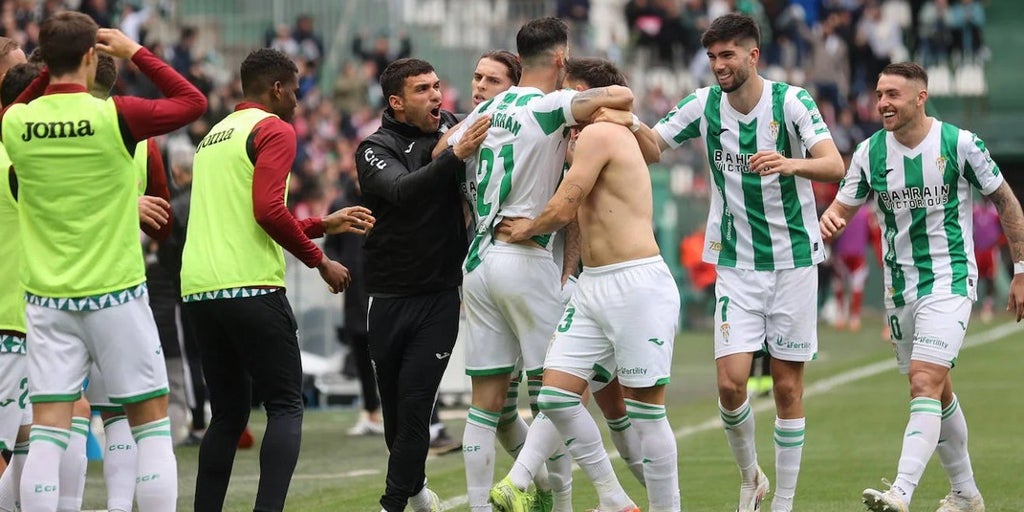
<point>443,444</point>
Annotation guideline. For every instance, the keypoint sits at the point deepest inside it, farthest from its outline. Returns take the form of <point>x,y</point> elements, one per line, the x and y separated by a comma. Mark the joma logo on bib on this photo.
<point>57,130</point>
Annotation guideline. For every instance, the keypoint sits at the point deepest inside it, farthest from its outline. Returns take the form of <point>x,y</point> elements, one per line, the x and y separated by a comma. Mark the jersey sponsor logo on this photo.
<point>374,160</point>
<point>930,340</point>
<point>57,130</point>
<point>638,370</point>
<point>791,343</point>
<point>214,138</point>
<point>732,162</point>
<point>914,197</point>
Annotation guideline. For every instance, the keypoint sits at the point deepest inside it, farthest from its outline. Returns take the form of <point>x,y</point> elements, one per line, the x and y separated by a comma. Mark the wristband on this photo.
<point>635,127</point>
<point>1018,267</point>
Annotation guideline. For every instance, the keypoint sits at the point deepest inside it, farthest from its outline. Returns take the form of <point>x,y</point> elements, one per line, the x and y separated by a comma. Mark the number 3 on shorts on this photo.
<point>567,321</point>
<point>725,307</point>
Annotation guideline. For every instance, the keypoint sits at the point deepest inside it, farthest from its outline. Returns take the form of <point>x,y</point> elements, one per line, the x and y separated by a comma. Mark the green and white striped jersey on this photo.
<point>755,222</point>
<point>519,164</point>
<point>924,208</point>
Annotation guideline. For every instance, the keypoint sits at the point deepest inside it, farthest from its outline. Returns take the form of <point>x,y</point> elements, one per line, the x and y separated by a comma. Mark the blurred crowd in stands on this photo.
<point>834,48</point>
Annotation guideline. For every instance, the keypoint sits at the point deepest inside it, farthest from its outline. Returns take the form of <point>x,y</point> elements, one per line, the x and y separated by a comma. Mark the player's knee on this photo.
<point>788,393</point>
<point>284,408</point>
<point>731,391</point>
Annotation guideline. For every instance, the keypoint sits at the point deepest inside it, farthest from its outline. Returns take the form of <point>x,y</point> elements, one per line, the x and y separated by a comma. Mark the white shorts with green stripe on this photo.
<point>621,320</point>
<point>15,409</point>
<point>122,340</point>
<point>773,310</point>
<point>929,329</point>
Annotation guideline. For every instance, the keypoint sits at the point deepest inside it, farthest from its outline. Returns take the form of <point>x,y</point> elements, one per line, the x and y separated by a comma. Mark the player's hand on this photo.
<point>154,212</point>
<point>1015,304</point>
<point>772,162</point>
<point>611,115</point>
<point>113,42</point>
<point>334,274</point>
<point>472,139</point>
<point>354,219</point>
<point>516,229</point>
<point>831,224</point>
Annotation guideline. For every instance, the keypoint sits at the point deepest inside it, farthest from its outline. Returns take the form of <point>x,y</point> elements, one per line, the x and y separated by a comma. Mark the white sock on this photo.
<point>583,439</point>
<point>72,467</point>
<point>789,447</point>
<point>562,500</point>
<point>10,494</point>
<point>156,486</point>
<point>919,441</point>
<point>953,453</point>
<point>120,464</point>
<point>739,430</point>
<point>40,478</point>
<point>659,455</point>
<point>512,431</point>
<point>542,441</point>
<point>478,454</point>
<point>556,472</point>
<point>627,442</point>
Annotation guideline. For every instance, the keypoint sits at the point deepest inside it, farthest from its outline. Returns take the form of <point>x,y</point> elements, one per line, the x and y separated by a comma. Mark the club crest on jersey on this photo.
<point>773,128</point>
<point>940,164</point>
<point>724,328</point>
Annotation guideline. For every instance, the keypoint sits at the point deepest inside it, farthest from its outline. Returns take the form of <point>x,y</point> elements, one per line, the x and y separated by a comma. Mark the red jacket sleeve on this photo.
<point>156,185</point>
<point>273,148</point>
<point>144,118</point>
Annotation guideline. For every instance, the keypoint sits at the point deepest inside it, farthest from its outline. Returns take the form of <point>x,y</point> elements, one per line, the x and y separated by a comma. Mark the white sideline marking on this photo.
<point>818,387</point>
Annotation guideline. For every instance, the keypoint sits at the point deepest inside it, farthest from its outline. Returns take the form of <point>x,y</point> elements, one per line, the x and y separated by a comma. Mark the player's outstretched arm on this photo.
<point>834,220</point>
<point>824,164</point>
<point>1012,219</point>
<point>585,103</point>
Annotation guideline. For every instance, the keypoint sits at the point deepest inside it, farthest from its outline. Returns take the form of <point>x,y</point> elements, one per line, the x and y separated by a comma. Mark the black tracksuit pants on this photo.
<point>411,340</point>
<point>249,345</point>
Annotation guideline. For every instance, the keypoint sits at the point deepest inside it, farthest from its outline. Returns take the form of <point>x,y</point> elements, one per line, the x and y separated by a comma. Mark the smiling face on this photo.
<point>420,102</point>
<point>732,63</point>
<point>490,78</point>
<point>900,101</point>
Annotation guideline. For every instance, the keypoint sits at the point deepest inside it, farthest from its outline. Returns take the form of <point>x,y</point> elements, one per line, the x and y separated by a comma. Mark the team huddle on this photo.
<point>561,278</point>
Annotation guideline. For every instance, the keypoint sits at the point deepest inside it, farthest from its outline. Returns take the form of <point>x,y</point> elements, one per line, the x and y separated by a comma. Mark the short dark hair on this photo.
<point>106,73</point>
<point>594,72</point>
<point>908,70</point>
<point>36,56</point>
<point>16,80</point>
<point>731,27</point>
<point>509,59</point>
<point>541,35</point>
<point>64,39</point>
<point>392,80</point>
<point>262,68</point>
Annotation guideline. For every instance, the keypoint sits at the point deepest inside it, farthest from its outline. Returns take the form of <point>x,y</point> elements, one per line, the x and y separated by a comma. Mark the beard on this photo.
<point>739,77</point>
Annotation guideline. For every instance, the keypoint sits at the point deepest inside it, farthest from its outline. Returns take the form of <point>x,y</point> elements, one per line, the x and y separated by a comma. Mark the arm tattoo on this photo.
<point>584,97</point>
<point>1012,219</point>
<point>573,193</point>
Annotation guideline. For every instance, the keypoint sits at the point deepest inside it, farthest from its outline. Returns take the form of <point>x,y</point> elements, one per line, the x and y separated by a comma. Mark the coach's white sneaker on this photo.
<point>751,496</point>
<point>956,503</point>
<point>888,501</point>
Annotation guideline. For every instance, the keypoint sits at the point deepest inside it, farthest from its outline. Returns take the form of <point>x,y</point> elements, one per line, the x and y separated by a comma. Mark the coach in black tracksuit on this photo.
<point>413,259</point>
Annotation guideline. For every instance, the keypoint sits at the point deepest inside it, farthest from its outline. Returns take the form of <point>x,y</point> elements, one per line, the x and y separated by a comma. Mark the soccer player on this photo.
<point>761,234</point>
<point>232,278</point>
<point>850,269</point>
<point>512,290</point>
<point>621,316</point>
<point>83,272</point>
<point>921,171</point>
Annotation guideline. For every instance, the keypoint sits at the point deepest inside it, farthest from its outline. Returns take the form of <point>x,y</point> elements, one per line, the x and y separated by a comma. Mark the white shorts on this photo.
<point>622,319</point>
<point>96,392</point>
<point>15,409</point>
<point>775,310</point>
<point>512,303</point>
<point>929,329</point>
<point>122,340</point>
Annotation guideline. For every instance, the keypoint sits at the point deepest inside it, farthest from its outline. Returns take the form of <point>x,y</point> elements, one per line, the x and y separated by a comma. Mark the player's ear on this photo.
<point>395,102</point>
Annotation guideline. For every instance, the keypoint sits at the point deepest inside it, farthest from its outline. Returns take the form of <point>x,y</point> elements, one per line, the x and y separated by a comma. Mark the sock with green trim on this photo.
<point>478,454</point>
<point>10,494</point>
<point>952,448</point>
<point>739,431</point>
<point>512,428</point>
<point>789,448</point>
<point>156,483</point>
<point>72,467</point>
<point>558,466</point>
<point>542,442</point>
<point>659,453</point>
<point>583,440</point>
<point>120,464</point>
<point>40,478</point>
<point>919,441</point>
<point>627,442</point>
